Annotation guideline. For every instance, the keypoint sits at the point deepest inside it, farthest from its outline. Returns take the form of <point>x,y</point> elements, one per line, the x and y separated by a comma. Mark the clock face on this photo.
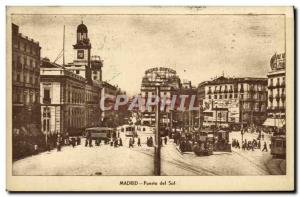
<point>80,54</point>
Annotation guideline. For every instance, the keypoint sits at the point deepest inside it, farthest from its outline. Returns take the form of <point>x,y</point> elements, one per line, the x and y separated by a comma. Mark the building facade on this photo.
<point>276,92</point>
<point>169,83</point>
<point>233,101</point>
<point>62,99</point>
<point>70,94</point>
<point>25,83</point>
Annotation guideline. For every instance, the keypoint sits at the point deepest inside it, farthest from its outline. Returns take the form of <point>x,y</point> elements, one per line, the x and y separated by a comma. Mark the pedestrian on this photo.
<point>78,140</point>
<point>90,142</point>
<point>265,147</point>
<point>86,142</point>
<point>139,142</point>
<point>166,140</point>
<point>120,142</point>
<point>48,147</point>
<point>58,146</point>
<point>259,145</point>
<point>35,149</point>
<point>73,142</point>
<point>244,146</point>
<point>238,144</point>
<point>130,143</point>
<point>116,143</point>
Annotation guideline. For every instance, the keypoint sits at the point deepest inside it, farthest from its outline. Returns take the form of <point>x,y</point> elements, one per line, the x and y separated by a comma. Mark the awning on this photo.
<point>274,122</point>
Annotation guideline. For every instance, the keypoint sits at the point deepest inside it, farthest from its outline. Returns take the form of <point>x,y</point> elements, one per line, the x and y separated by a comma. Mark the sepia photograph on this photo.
<point>149,96</point>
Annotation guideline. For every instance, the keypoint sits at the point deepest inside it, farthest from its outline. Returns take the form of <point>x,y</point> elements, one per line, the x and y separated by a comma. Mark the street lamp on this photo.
<point>157,166</point>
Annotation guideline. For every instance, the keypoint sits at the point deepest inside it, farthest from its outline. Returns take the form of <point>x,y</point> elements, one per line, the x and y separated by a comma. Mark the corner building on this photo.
<point>233,102</point>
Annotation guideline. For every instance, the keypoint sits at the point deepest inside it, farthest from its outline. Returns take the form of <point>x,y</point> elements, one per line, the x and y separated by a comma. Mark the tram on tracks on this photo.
<point>278,146</point>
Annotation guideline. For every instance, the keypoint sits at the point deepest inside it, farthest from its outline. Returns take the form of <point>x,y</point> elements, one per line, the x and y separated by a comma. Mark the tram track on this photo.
<point>258,167</point>
<point>183,165</point>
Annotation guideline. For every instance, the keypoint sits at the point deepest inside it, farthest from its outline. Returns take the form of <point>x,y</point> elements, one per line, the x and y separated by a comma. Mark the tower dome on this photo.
<point>82,28</point>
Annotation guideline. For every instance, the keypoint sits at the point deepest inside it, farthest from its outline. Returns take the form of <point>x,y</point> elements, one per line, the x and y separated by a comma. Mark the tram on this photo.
<point>205,145</point>
<point>130,131</point>
<point>278,146</point>
<point>100,133</point>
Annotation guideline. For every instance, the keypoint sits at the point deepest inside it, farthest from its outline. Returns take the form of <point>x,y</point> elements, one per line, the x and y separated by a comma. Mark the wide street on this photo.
<point>107,160</point>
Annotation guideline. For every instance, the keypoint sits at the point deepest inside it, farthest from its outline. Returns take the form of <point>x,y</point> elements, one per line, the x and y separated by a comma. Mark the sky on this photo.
<point>198,47</point>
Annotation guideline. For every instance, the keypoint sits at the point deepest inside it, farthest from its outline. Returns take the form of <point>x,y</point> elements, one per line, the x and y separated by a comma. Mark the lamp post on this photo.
<point>157,166</point>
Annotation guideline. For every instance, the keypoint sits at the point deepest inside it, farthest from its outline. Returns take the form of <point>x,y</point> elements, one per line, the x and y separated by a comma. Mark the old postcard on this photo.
<point>150,98</point>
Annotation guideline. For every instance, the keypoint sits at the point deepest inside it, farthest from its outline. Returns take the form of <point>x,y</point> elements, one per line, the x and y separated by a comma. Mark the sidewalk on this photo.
<point>277,166</point>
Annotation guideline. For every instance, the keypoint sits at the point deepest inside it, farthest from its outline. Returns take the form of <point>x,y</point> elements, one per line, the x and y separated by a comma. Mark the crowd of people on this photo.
<point>249,145</point>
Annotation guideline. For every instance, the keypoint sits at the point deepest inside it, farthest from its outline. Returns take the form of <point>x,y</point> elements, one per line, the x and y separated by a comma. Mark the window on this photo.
<point>25,97</point>
<point>77,72</point>
<point>80,54</point>
<point>215,96</point>
<point>209,97</point>
<point>221,96</point>
<point>18,77</point>
<point>95,77</point>
<point>230,95</point>
<point>31,98</point>
<point>24,78</point>
<point>46,94</point>
<point>242,96</point>
<point>95,72</point>
<point>25,60</point>
<point>225,96</point>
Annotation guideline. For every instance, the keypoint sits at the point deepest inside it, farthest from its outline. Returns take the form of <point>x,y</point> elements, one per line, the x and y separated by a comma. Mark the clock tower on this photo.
<point>82,48</point>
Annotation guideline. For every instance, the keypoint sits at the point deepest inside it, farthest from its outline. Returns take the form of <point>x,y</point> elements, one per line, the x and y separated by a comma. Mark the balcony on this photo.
<point>271,98</point>
<point>46,101</point>
<point>283,96</point>
<point>277,97</point>
<point>270,85</point>
<point>230,91</point>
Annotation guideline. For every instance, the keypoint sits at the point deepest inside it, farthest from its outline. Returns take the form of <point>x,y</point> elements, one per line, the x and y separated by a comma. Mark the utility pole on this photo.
<point>157,135</point>
<point>64,47</point>
<point>189,116</point>
<point>199,119</point>
<point>242,121</point>
<point>171,125</point>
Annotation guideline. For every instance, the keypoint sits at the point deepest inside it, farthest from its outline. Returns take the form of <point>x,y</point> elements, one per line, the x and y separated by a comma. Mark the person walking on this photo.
<point>139,142</point>
<point>116,143</point>
<point>86,142</point>
<point>90,142</point>
<point>130,143</point>
<point>265,147</point>
<point>73,142</point>
<point>166,140</point>
<point>120,142</point>
<point>238,144</point>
